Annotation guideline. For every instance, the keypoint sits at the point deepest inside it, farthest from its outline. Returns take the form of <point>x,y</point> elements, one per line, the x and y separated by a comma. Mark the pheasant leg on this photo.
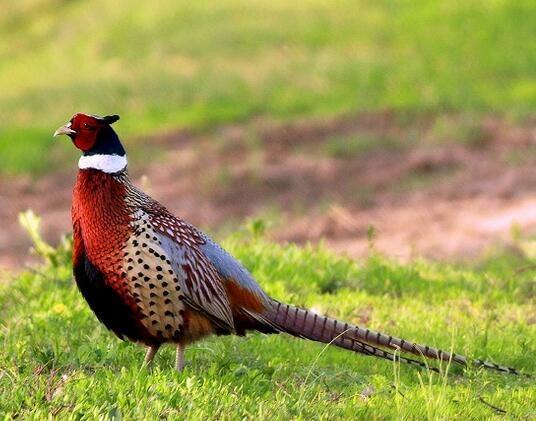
<point>149,356</point>
<point>179,358</point>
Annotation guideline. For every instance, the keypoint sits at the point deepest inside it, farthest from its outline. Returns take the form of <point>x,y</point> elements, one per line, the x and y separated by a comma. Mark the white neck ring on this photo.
<point>107,163</point>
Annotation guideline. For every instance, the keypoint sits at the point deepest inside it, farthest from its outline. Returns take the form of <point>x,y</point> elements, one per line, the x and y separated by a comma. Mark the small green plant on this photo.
<point>55,257</point>
<point>256,227</point>
<point>525,245</point>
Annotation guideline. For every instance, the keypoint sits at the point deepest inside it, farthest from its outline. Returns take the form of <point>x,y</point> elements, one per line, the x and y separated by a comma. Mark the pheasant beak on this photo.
<point>65,130</point>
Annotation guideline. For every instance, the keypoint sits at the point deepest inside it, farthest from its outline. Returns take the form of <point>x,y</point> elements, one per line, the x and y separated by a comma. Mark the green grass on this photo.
<point>200,64</point>
<point>57,360</point>
<point>351,146</point>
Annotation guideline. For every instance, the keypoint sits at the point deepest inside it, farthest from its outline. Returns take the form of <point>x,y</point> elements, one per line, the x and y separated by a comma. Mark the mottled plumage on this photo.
<point>152,278</point>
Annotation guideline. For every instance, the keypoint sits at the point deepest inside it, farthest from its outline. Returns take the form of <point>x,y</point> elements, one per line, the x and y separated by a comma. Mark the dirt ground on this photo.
<point>423,190</point>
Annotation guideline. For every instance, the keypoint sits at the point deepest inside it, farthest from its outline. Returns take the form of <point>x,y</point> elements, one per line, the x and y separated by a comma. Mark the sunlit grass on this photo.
<point>57,359</point>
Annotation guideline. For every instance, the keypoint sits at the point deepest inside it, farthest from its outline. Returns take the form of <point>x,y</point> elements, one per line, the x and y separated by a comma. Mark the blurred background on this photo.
<point>407,126</point>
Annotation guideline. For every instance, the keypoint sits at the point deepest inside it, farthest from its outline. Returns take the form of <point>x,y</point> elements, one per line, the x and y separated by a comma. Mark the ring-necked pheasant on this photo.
<point>152,278</point>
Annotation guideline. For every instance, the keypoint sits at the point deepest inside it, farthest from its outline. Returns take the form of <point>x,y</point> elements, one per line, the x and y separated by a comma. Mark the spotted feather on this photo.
<point>152,281</point>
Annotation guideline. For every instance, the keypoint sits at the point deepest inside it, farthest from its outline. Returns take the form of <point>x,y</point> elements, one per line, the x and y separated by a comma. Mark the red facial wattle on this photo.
<point>86,128</point>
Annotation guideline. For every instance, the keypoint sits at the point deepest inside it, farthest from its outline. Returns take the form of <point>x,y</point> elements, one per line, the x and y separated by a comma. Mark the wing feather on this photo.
<point>201,283</point>
<point>230,268</point>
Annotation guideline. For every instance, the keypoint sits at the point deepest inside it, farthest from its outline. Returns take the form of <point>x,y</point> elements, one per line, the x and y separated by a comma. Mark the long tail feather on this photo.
<point>307,324</point>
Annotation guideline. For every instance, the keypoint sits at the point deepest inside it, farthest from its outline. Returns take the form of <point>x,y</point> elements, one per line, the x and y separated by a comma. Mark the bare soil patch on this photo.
<point>439,187</point>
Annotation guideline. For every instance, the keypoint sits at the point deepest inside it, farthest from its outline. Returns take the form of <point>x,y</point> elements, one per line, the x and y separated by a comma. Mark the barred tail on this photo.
<point>306,324</point>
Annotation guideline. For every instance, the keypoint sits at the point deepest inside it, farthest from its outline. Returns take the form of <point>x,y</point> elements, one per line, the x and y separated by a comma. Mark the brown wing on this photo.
<point>201,284</point>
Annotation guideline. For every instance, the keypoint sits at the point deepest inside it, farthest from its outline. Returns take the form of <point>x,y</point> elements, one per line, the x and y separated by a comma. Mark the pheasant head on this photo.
<point>99,143</point>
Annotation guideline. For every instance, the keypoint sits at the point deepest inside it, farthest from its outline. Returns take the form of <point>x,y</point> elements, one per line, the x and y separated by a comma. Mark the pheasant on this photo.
<point>153,278</point>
